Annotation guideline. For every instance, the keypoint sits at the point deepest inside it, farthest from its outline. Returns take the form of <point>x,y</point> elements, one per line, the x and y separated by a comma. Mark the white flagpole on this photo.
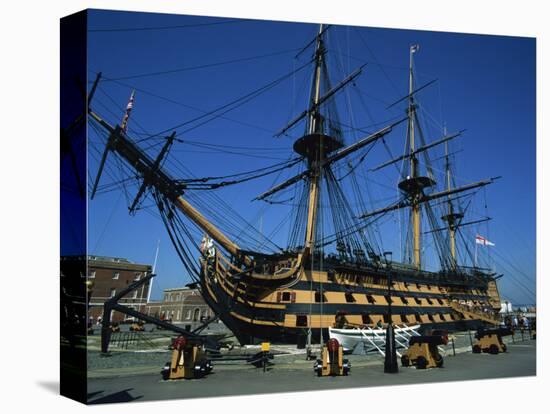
<point>153,271</point>
<point>475,256</point>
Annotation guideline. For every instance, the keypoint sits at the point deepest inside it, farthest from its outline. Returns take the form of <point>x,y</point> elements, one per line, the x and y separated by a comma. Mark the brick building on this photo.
<point>182,305</point>
<point>108,276</point>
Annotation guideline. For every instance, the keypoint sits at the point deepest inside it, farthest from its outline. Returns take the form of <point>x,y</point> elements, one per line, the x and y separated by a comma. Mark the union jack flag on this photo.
<point>482,240</point>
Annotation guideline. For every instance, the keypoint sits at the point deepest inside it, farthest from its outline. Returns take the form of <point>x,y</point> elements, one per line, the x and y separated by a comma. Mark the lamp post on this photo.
<point>390,358</point>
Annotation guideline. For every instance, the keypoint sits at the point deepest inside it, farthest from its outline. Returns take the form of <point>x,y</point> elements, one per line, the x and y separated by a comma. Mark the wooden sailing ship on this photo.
<point>300,291</point>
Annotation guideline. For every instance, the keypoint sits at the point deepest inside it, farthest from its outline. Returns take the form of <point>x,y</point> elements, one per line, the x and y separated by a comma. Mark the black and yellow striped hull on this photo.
<point>255,309</point>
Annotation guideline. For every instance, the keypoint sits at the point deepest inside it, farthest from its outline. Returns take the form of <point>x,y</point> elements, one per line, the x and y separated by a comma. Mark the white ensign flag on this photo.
<point>482,240</point>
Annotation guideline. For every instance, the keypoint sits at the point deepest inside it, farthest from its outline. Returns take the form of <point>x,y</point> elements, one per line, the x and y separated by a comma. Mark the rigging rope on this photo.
<point>203,66</point>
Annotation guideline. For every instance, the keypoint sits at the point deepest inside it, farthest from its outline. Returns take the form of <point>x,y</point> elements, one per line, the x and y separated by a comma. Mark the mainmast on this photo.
<point>413,185</point>
<point>314,124</point>
<point>413,163</point>
<point>315,146</point>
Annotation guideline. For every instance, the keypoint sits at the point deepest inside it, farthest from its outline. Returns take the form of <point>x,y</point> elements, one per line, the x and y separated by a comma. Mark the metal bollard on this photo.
<point>453,344</point>
<point>470,335</point>
<point>265,351</point>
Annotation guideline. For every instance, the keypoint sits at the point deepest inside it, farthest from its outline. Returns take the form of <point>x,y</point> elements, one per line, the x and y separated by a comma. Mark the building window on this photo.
<point>178,316</point>
<point>113,292</point>
<point>137,276</point>
<point>92,274</point>
<point>116,275</point>
<point>188,315</point>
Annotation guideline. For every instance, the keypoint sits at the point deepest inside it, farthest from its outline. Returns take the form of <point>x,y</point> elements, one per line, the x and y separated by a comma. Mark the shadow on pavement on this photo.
<point>117,397</point>
<point>93,394</point>
<point>51,386</point>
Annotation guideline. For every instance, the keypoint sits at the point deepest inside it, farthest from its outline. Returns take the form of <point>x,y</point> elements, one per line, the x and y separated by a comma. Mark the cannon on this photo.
<point>332,360</point>
<point>423,351</point>
<point>137,327</point>
<point>490,340</point>
<point>188,361</point>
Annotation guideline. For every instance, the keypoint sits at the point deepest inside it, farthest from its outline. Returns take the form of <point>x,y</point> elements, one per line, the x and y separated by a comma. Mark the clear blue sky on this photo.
<point>486,84</point>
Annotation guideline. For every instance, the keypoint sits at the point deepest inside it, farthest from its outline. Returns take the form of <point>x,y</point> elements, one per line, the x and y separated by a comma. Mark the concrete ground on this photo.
<point>292,373</point>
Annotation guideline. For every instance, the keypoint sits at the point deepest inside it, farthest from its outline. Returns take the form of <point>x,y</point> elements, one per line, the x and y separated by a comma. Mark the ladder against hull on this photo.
<point>474,314</point>
<point>373,338</point>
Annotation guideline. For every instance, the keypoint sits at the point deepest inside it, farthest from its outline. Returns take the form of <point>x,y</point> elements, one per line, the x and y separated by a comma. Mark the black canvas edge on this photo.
<point>73,206</point>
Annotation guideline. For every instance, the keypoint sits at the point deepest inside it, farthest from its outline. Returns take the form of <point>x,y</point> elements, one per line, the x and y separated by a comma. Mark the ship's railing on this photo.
<point>401,272</point>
